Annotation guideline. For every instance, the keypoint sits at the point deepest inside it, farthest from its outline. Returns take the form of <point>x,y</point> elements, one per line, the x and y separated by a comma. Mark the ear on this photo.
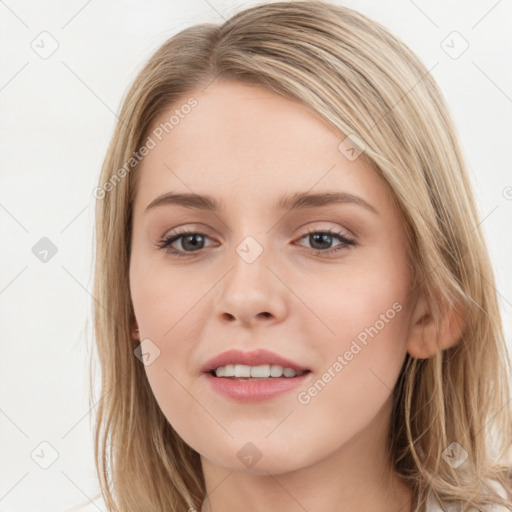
<point>135,331</point>
<point>423,341</point>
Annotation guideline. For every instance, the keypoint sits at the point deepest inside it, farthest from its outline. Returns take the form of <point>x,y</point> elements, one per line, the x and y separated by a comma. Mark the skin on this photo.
<point>248,146</point>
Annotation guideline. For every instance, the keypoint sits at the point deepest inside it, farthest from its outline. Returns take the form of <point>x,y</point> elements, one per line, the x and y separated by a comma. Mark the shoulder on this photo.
<point>434,505</point>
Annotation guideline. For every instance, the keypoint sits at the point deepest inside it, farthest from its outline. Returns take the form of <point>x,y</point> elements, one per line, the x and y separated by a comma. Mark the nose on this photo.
<point>251,291</point>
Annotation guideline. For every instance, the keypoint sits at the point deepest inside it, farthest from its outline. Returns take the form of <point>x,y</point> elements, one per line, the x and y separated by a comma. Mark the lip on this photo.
<point>243,390</point>
<point>253,358</point>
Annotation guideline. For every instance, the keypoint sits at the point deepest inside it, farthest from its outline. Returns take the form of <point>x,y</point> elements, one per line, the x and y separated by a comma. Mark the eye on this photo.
<point>193,241</point>
<point>190,240</point>
<point>323,237</point>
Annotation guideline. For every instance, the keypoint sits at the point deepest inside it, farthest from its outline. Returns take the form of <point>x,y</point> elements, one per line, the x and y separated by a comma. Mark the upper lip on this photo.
<point>253,358</point>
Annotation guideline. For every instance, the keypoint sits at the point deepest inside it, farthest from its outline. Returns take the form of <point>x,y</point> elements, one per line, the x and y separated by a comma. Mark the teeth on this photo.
<point>263,371</point>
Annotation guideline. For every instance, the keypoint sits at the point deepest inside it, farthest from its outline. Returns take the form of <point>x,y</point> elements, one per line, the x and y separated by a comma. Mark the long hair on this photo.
<point>365,82</point>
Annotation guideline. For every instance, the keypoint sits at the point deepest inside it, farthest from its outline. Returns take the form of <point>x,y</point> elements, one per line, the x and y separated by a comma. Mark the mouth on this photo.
<point>249,384</point>
<point>256,373</point>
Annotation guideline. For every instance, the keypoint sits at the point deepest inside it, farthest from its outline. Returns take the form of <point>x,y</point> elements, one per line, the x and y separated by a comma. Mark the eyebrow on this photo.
<point>296,201</point>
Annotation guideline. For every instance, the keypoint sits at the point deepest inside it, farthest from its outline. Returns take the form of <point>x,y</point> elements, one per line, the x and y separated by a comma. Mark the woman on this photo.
<point>244,363</point>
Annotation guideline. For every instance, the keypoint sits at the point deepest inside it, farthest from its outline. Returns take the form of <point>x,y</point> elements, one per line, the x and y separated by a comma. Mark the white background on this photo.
<point>57,116</point>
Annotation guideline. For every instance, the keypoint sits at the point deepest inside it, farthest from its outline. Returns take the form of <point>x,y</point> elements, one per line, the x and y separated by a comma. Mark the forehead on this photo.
<point>249,141</point>
<point>239,121</point>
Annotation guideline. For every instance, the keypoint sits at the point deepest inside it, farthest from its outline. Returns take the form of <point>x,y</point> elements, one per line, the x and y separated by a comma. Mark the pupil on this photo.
<point>188,239</point>
<point>322,237</point>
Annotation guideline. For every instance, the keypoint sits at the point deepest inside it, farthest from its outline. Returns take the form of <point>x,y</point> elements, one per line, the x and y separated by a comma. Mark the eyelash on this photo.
<point>166,242</point>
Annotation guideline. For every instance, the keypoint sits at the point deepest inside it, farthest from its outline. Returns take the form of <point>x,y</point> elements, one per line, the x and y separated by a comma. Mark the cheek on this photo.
<point>345,302</point>
<point>361,361</point>
<point>164,299</point>
<point>362,315</point>
<point>167,308</point>
<point>167,313</point>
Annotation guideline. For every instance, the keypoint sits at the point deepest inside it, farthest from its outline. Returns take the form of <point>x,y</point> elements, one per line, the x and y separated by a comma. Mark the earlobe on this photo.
<point>135,332</point>
<point>423,341</point>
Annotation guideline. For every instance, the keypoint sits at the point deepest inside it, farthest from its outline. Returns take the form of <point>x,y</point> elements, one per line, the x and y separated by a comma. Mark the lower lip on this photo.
<point>243,390</point>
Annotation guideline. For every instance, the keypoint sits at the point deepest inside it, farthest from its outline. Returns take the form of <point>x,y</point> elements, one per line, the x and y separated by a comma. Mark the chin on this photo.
<point>250,459</point>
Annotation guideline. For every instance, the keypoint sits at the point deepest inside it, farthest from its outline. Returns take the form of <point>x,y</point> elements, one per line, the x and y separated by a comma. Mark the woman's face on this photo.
<point>261,276</point>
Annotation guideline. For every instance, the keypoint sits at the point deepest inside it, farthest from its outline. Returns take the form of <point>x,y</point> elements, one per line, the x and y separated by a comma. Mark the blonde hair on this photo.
<point>364,81</point>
